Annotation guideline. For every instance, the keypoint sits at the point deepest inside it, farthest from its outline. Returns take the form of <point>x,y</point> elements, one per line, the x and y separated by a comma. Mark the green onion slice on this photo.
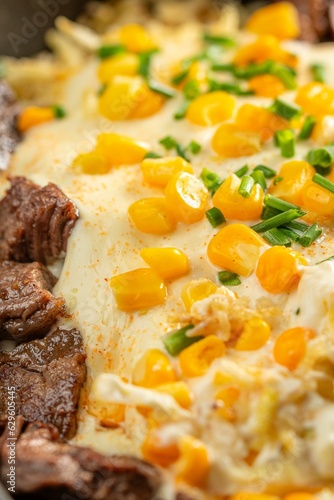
<point>307,127</point>
<point>229,279</point>
<point>321,157</point>
<point>152,154</point>
<point>181,112</point>
<point>191,90</point>
<point>159,88</point>
<point>242,171</point>
<point>318,72</point>
<point>278,220</point>
<point>194,147</point>
<point>168,142</point>
<point>323,182</point>
<point>310,235</point>
<point>178,340</point>
<point>285,110</point>
<point>246,186</point>
<point>281,205</point>
<point>225,41</point>
<point>180,77</point>
<point>285,140</point>
<point>215,216</point>
<point>267,172</point>
<point>110,50</point>
<point>211,180</point>
<point>58,111</point>
<point>259,178</point>
<point>276,237</point>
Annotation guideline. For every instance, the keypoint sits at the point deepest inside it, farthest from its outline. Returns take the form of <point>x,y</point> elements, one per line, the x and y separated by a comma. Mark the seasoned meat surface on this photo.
<point>48,375</point>
<point>35,222</point>
<point>27,307</point>
<point>8,116</point>
<point>48,469</point>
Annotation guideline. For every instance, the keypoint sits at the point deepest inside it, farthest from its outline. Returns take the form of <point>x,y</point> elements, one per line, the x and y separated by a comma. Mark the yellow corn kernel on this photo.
<point>266,86</point>
<point>92,163</point>
<point>318,202</point>
<point>236,248</point>
<point>251,118</point>
<point>210,109</point>
<point>316,99</point>
<point>135,38</point>
<point>180,392</point>
<point>170,263</point>
<point>299,495</point>
<point>128,98</point>
<point>264,48</point>
<point>197,358</point>
<point>230,142</point>
<point>120,150</point>
<point>152,369</point>
<point>255,334</point>
<point>150,215</point>
<point>33,115</point>
<point>323,131</point>
<point>279,269</point>
<point>225,399</point>
<point>235,206</point>
<point>108,414</point>
<point>193,465</point>
<point>280,20</point>
<point>159,171</point>
<point>120,64</point>
<point>253,496</point>
<point>293,176</point>
<point>138,289</point>
<point>159,453</point>
<point>196,290</point>
<point>290,346</point>
<point>187,198</point>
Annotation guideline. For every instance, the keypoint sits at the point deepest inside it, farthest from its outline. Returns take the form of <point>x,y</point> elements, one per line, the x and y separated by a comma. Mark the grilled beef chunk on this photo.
<point>48,375</point>
<point>8,116</point>
<point>27,307</point>
<point>35,222</point>
<point>46,468</point>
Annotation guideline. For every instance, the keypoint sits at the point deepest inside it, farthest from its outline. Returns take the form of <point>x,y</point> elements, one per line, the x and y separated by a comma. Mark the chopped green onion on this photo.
<point>215,216</point>
<point>181,152</point>
<point>181,112</point>
<point>285,110</point>
<point>310,235</point>
<point>297,226</point>
<point>152,154</point>
<point>276,237</point>
<point>281,205</point>
<point>194,147</point>
<point>268,213</point>
<point>231,88</point>
<point>242,171</point>
<point>229,68</point>
<point>285,140</point>
<point>58,111</point>
<point>253,69</point>
<point>267,172</point>
<point>180,76</point>
<point>110,50</point>
<point>145,64</point>
<point>259,178</point>
<point>286,74</point>
<point>307,127</point>
<point>178,340</point>
<point>278,180</point>
<point>168,142</point>
<point>160,88</point>
<point>325,260</point>
<point>102,89</point>
<point>321,157</point>
<point>278,220</point>
<point>318,72</point>
<point>191,90</point>
<point>229,279</point>
<point>210,180</point>
<point>289,233</point>
<point>246,186</point>
<point>218,40</point>
<point>323,182</point>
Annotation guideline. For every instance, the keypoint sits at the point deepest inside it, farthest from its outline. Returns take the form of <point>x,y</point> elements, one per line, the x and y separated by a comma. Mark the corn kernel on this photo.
<point>138,289</point>
<point>316,99</point>
<point>187,198</point>
<point>210,109</point>
<point>266,86</point>
<point>318,202</point>
<point>251,118</point>
<point>193,464</point>
<point>294,176</point>
<point>280,20</point>
<point>226,398</point>
<point>180,392</point>
<point>150,215</point>
<point>255,334</point>
<point>152,369</point>
<point>299,495</point>
<point>233,205</point>
<point>135,38</point>
<point>323,131</point>
<point>120,64</point>
<point>230,142</point>
<point>159,453</point>
<point>236,248</point>
<point>197,358</point>
<point>92,163</point>
<point>120,150</point>
<point>128,98</point>
<point>170,263</point>
<point>196,290</point>
<point>264,48</point>
<point>159,171</point>
<point>32,116</point>
<point>108,414</point>
<point>279,269</point>
<point>253,496</point>
<point>290,346</point>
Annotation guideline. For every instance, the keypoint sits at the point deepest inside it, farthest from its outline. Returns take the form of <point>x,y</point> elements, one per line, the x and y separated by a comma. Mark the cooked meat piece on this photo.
<point>48,469</point>
<point>9,135</point>
<point>48,375</point>
<point>35,222</point>
<point>27,307</point>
